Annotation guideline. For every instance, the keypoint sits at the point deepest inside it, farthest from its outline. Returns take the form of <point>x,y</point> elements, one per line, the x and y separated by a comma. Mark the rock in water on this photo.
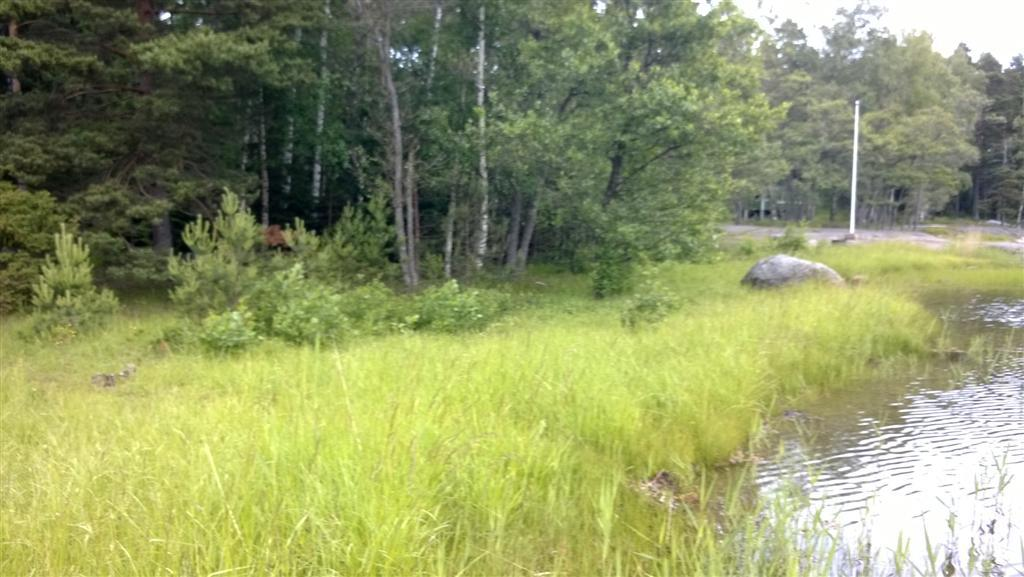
<point>781,269</point>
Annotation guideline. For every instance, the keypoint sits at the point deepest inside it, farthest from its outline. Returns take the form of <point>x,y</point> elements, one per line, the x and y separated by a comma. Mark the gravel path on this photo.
<point>1014,237</point>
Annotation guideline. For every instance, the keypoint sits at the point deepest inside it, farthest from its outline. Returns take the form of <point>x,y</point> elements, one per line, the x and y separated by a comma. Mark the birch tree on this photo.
<point>321,106</point>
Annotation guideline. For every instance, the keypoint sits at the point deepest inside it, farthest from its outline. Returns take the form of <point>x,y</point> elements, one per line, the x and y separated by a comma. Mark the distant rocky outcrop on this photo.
<point>782,269</point>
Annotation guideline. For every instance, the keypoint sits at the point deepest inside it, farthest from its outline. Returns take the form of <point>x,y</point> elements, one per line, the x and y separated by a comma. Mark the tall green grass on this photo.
<point>513,452</point>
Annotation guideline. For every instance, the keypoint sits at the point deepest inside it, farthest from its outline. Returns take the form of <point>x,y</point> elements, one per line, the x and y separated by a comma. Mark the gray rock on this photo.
<point>781,269</point>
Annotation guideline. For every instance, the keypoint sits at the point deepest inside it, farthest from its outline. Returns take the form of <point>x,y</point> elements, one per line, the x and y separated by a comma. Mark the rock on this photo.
<point>104,380</point>
<point>782,269</point>
<point>128,371</point>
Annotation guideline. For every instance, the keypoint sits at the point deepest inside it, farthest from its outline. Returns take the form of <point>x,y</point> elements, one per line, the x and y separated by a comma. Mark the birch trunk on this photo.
<point>14,83</point>
<point>289,138</point>
<point>321,107</point>
<point>449,234</point>
<point>264,174</point>
<point>438,16</point>
<point>481,89</point>
<point>246,138</point>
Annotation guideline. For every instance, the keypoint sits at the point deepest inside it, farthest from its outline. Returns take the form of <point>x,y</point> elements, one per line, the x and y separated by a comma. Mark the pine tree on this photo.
<point>64,299</point>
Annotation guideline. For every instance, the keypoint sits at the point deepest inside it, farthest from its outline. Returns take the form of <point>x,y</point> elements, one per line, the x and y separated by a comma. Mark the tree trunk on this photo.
<point>976,196</point>
<point>161,229</point>
<point>527,237</point>
<point>438,16</point>
<point>264,174</point>
<point>243,164</point>
<point>617,159</point>
<point>288,155</point>
<point>481,89</point>
<point>411,215</point>
<point>449,234</point>
<point>1020,209</point>
<point>161,232</point>
<point>145,12</point>
<point>514,224</point>
<point>12,78</point>
<point>321,107</point>
<point>383,40</point>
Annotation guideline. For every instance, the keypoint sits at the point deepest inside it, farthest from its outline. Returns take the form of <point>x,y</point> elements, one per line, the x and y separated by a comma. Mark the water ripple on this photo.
<point>931,460</point>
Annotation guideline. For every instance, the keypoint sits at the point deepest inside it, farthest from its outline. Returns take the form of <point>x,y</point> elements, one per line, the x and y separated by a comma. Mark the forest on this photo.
<point>458,135</point>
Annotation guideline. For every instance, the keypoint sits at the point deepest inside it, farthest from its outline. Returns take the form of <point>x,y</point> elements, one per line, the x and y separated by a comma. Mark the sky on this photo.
<point>995,26</point>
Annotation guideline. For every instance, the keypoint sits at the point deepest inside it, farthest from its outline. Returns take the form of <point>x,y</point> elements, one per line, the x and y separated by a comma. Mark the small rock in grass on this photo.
<point>104,380</point>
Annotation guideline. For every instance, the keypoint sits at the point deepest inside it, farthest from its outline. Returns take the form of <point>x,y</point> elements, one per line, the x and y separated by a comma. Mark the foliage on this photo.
<point>227,332</point>
<point>289,306</point>
<point>450,308</point>
<point>613,271</point>
<point>121,264</point>
<point>792,240</point>
<point>651,304</point>
<point>373,308</point>
<point>27,223</point>
<point>357,247</point>
<point>65,302</point>
<point>223,266</point>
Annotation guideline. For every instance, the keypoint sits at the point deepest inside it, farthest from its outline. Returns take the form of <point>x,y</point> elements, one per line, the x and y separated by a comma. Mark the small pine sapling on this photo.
<point>64,299</point>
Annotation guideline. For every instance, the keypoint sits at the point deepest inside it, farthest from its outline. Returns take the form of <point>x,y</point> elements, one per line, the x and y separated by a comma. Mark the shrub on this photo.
<point>357,247</point>
<point>374,309</point>
<point>651,304</point>
<point>449,308</point>
<point>223,266</point>
<point>792,240</point>
<point>64,299</point>
<point>27,223</point>
<point>228,332</point>
<point>613,274</point>
<point>296,309</point>
<point>746,247</point>
<point>120,264</point>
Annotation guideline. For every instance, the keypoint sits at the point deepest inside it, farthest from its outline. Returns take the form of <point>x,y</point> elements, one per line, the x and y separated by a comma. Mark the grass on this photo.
<point>513,452</point>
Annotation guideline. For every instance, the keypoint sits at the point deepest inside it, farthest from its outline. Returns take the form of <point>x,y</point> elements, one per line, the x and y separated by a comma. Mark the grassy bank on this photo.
<point>512,452</point>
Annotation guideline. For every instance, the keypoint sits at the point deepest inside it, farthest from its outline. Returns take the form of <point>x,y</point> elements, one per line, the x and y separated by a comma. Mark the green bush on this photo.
<point>449,308</point>
<point>373,308</point>
<point>27,223</point>
<point>651,304</point>
<point>612,276</point>
<point>357,247</point>
<point>65,301</point>
<point>792,240</point>
<point>228,332</point>
<point>746,247</point>
<point>223,266</point>
<point>122,265</point>
<point>290,306</point>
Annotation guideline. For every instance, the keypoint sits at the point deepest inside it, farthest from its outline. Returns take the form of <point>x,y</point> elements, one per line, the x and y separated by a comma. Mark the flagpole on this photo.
<point>853,178</point>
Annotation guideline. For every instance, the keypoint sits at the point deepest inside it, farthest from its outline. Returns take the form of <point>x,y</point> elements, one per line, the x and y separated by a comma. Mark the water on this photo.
<point>939,454</point>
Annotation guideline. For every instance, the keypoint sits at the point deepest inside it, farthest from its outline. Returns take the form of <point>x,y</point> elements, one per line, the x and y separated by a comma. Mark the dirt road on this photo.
<point>994,236</point>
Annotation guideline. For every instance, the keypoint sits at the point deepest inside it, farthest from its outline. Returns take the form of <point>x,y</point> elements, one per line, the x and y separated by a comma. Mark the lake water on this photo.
<point>930,463</point>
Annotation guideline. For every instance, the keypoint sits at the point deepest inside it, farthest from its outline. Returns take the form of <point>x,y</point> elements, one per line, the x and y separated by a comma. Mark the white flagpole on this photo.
<point>853,178</point>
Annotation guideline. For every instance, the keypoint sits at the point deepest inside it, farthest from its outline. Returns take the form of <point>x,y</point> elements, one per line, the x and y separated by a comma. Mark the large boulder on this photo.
<point>781,270</point>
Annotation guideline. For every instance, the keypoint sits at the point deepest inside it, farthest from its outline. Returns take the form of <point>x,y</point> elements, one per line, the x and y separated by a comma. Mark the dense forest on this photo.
<point>457,135</point>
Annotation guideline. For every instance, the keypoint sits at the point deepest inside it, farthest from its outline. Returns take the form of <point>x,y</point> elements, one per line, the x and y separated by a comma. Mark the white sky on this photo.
<point>995,26</point>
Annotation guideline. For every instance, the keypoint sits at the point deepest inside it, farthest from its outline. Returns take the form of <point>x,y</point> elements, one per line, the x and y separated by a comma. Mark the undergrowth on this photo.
<point>511,452</point>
